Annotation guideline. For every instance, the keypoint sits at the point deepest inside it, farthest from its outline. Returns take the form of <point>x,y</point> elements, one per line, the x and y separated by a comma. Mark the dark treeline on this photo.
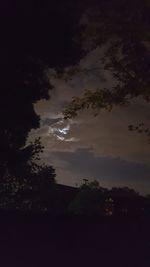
<point>94,200</point>
<point>35,36</point>
<point>46,199</point>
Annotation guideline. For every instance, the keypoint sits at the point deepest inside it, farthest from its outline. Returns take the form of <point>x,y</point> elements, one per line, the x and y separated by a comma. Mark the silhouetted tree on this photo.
<point>28,185</point>
<point>121,28</point>
<point>141,128</point>
<point>89,200</point>
<point>33,38</point>
<point>38,192</point>
<point>124,191</point>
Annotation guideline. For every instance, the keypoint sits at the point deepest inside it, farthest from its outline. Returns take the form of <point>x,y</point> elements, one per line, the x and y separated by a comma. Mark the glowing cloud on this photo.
<point>64,130</point>
<point>61,138</point>
<point>72,139</point>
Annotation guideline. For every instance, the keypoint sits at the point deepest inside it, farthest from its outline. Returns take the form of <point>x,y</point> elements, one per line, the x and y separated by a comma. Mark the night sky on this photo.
<point>88,147</point>
<point>91,147</point>
<point>41,221</point>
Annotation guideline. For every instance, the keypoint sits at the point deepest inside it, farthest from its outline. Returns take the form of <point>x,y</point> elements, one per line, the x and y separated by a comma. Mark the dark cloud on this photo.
<point>112,171</point>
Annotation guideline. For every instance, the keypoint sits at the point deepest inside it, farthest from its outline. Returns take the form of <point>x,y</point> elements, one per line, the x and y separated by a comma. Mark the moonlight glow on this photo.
<point>61,133</point>
<point>64,130</point>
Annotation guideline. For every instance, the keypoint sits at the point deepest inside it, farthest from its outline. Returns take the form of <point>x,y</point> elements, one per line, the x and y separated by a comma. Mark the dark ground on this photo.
<point>33,241</point>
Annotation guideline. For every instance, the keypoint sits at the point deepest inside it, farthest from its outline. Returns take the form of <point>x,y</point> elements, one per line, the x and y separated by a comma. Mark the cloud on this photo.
<point>50,121</point>
<point>109,171</point>
<point>107,134</point>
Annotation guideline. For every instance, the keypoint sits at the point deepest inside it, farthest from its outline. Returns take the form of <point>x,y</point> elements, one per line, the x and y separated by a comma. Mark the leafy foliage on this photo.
<point>122,28</point>
<point>92,199</point>
<point>25,184</point>
<point>89,199</point>
<point>30,45</point>
<point>33,191</point>
<point>141,128</point>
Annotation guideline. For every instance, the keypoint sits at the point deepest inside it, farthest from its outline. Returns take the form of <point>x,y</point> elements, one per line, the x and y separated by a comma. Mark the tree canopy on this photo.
<point>34,37</point>
<point>121,28</point>
<point>88,200</point>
